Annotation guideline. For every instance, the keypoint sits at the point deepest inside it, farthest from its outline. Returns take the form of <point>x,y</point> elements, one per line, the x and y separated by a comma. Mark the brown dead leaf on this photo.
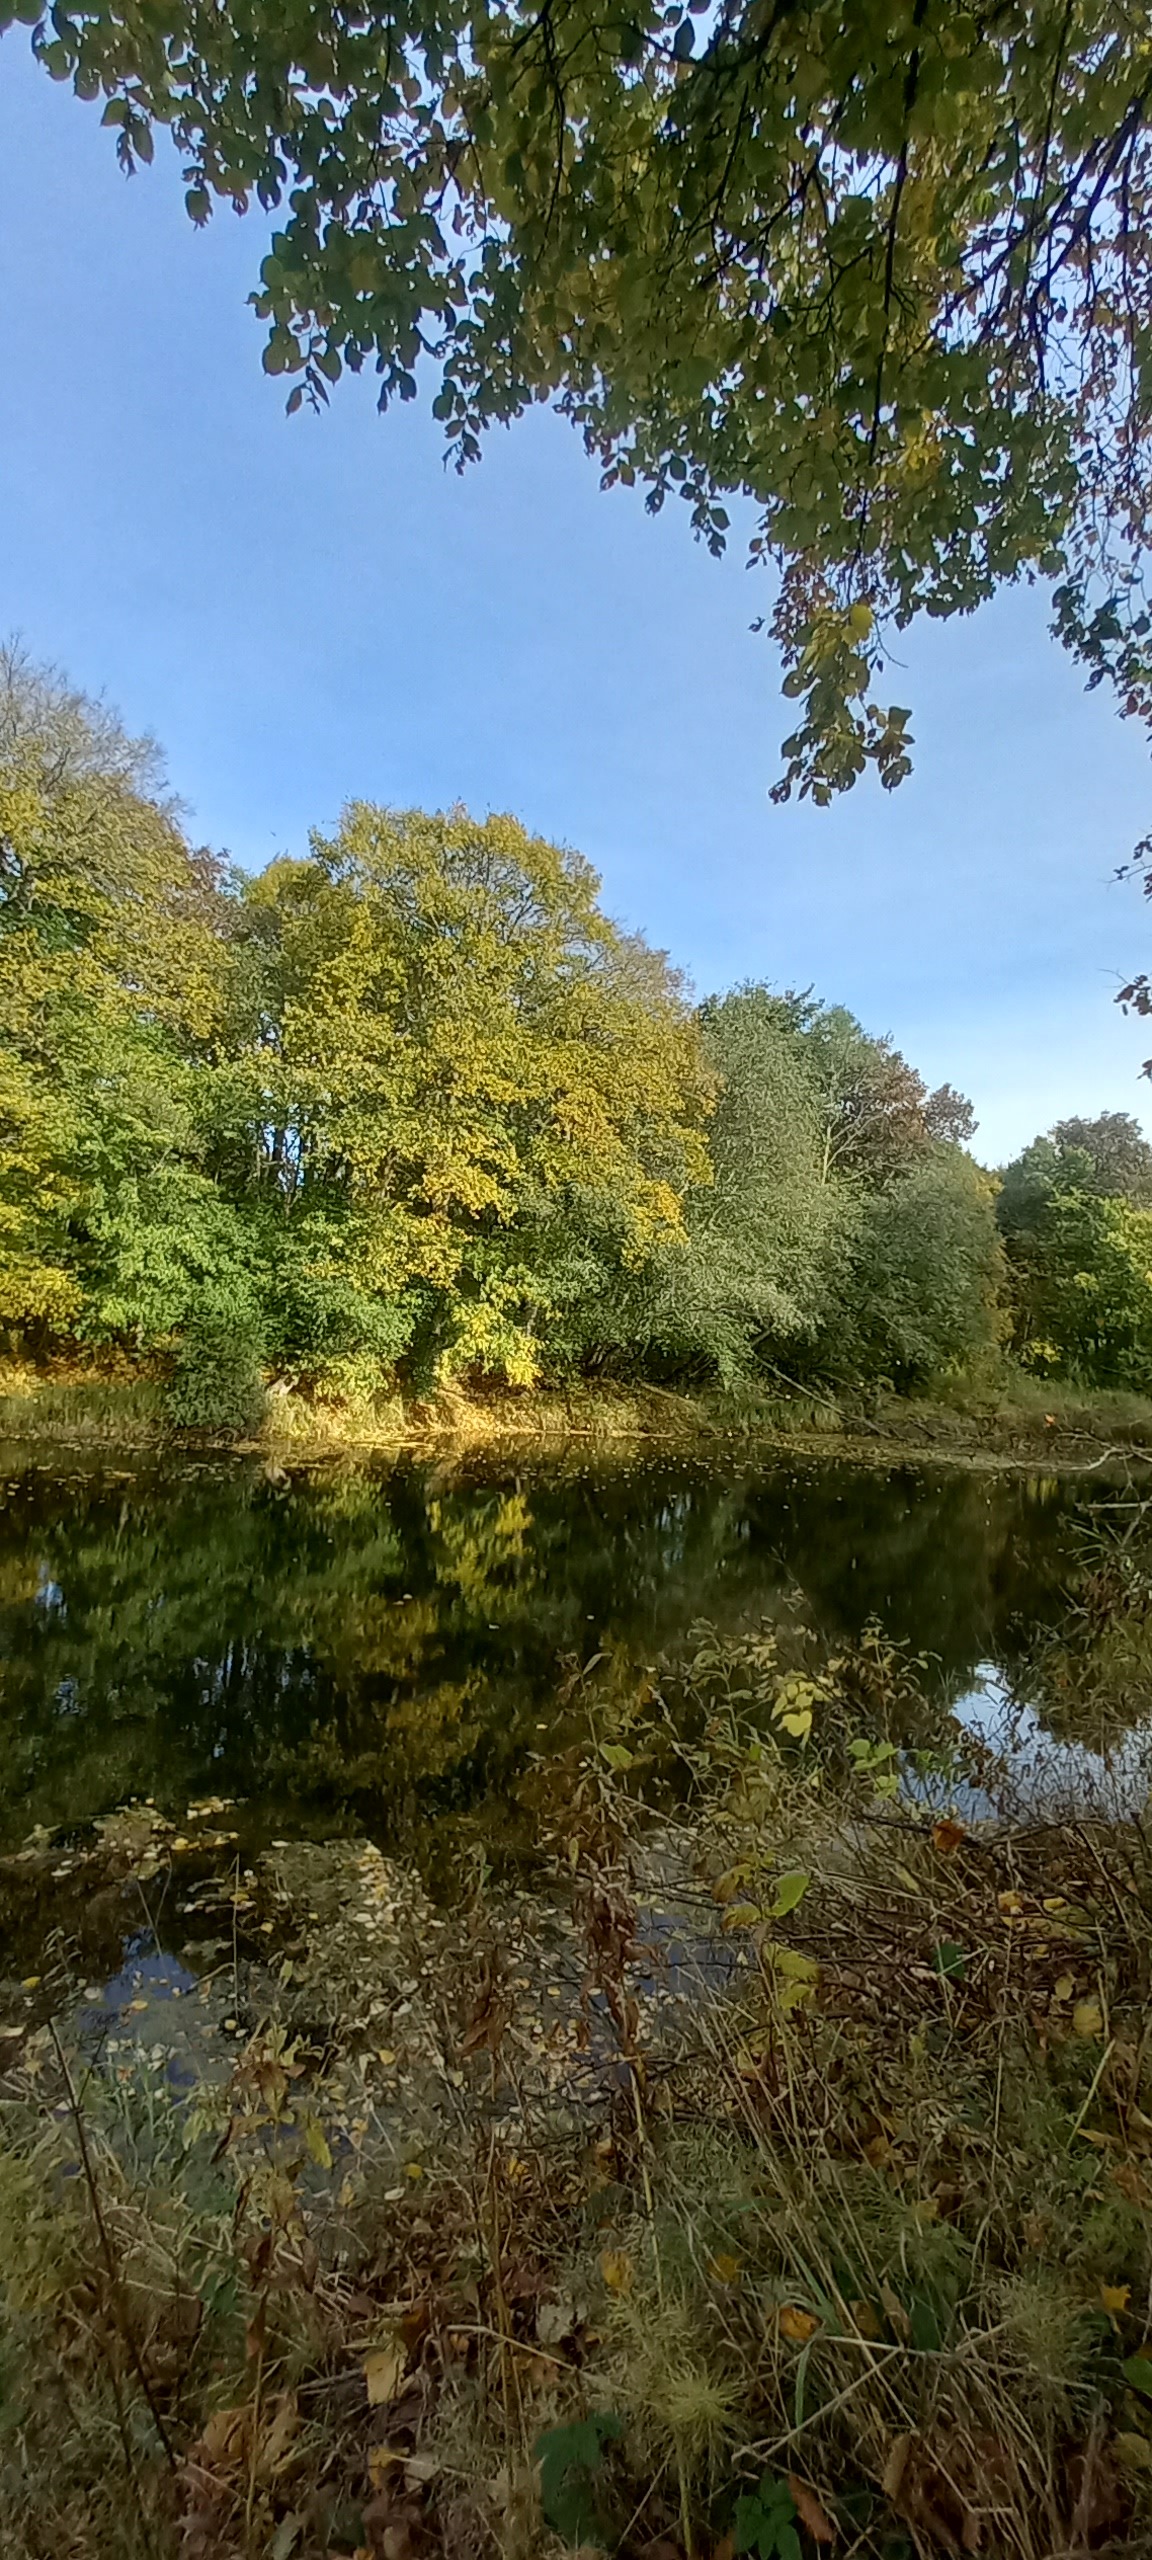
<point>224,2440</point>
<point>947,1835</point>
<point>812,2515</point>
<point>796,2325</point>
<point>896,2466</point>
<point>280,2432</point>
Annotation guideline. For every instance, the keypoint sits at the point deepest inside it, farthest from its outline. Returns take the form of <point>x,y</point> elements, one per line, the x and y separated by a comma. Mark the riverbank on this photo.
<point>1020,1425</point>
<point>771,2173</point>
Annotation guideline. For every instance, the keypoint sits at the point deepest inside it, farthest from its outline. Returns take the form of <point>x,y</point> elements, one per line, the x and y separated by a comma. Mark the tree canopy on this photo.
<point>1075,1210</point>
<point>882,269</point>
<point>408,1108</point>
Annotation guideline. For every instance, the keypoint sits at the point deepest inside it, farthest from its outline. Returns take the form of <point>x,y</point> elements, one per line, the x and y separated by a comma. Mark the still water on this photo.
<point>381,1648</point>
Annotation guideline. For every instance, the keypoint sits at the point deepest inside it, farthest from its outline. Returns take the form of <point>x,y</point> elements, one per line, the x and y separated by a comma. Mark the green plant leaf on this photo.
<point>570,2459</point>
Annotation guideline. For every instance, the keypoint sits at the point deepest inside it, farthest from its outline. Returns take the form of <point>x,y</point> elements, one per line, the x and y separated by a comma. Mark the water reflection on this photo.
<point>376,1646</point>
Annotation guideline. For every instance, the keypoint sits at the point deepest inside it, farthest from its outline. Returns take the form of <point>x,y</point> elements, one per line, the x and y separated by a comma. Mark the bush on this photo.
<point>217,1382</point>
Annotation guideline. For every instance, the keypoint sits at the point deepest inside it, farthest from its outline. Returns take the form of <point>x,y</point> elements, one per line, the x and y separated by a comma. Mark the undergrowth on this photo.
<point>812,2214</point>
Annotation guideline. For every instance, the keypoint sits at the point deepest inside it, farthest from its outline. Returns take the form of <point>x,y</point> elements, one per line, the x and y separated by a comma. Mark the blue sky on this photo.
<point>305,610</point>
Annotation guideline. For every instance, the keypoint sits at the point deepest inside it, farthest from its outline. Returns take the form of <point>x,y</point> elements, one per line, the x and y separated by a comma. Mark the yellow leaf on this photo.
<point>383,2372</point>
<point>724,2267</point>
<point>315,2142</point>
<point>947,1836</point>
<point>796,2325</point>
<point>1064,1986</point>
<point>741,1915</point>
<point>1087,2020</point>
<point>617,2270</point>
<point>1010,1905</point>
<point>1133,2451</point>
<point>790,1961</point>
<point>1115,2297</point>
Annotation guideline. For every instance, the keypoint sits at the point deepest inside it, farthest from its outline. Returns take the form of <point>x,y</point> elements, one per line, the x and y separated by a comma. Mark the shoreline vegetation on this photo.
<point>765,2166</point>
<point>69,1407</point>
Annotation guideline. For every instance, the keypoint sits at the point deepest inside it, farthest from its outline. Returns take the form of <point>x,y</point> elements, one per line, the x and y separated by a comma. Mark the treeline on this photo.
<point>412,1109</point>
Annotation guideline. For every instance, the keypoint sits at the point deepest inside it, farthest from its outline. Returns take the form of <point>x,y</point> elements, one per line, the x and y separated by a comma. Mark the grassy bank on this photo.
<point>1016,1423</point>
<point>768,2171</point>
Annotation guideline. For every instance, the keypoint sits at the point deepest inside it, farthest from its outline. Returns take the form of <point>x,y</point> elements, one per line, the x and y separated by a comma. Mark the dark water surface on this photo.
<point>376,1647</point>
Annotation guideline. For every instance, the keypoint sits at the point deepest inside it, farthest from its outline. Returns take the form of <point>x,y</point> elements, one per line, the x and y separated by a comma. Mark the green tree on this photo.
<point>881,268</point>
<point>924,1292</point>
<point>110,1003</point>
<point>1084,1291</point>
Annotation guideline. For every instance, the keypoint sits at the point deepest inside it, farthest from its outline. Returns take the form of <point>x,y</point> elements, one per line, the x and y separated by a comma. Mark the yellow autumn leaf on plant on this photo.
<point>796,2325</point>
<point>1115,2297</point>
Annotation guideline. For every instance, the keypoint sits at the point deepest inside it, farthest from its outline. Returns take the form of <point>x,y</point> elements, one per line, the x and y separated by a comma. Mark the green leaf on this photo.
<point>569,2459</point>
<point>790,1890</point>
<point>950,1961</point>
<point>1138,2373</point>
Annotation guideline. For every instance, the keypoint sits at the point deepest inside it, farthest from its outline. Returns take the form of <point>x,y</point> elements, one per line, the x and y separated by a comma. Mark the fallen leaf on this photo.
<point>812,2515</point>
<point>383,2371</point>
<point>947,1836</point>
<point>1087,2020</point>
<point>1010,1905</point>
<point>382,2458</point>
<point>555,2321</point>
<point>724,2267</point>
<point>865,2320</point>
<point>796,2325</point>
<point>896,2466</point>
<point>224,2437</point>
<point>1064,1986</point>
<point>877,2151</point>
<point>617,2270</point>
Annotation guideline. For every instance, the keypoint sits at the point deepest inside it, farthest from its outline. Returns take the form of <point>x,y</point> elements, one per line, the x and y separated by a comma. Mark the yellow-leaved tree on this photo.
<point>451,1061</point>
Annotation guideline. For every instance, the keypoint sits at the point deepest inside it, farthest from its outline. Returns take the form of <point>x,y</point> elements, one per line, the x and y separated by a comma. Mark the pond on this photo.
<point>379,1649</point>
